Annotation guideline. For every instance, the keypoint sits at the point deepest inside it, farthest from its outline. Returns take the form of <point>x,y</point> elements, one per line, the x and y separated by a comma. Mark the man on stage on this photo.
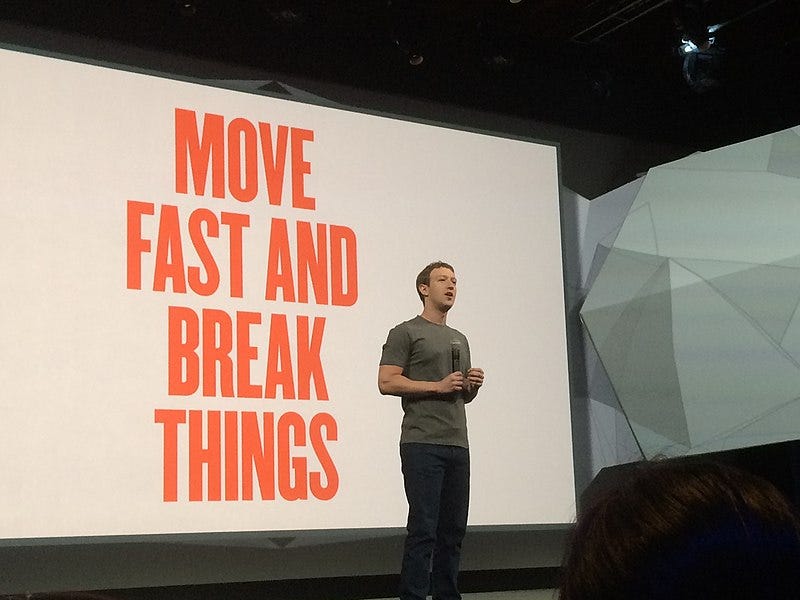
<point>427,364</point>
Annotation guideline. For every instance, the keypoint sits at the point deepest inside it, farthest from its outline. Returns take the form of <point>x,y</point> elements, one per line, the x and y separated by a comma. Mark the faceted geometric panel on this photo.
<point>694,312</point>
<point>785,150</point>
<point>768,294</point>
<point>752,155</point>
<point>601,253</point>
<point>622,277</point>
<point>638,232</point>
<point>730,371</point>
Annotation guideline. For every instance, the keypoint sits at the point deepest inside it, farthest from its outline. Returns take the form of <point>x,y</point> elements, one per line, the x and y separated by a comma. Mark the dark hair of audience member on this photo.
<point>684,529</point>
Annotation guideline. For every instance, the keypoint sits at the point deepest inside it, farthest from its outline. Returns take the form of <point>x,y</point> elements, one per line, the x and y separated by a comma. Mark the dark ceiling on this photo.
<point>603,65</point>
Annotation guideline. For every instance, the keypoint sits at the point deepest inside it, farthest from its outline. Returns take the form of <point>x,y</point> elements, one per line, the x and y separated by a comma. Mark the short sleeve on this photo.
<point>397,349</point>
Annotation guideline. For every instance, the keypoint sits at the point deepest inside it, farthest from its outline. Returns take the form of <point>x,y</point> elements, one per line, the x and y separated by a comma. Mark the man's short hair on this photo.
<point>424,277</point>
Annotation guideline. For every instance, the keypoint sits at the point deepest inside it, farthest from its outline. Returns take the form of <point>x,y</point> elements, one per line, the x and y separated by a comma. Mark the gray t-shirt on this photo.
<point>424,351</point>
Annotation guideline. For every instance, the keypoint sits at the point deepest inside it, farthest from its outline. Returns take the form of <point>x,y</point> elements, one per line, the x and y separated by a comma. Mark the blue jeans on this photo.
<point>436,481</point>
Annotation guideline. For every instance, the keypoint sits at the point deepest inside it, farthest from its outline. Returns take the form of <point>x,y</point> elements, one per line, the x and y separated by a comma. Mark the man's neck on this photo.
<point>434,316</point>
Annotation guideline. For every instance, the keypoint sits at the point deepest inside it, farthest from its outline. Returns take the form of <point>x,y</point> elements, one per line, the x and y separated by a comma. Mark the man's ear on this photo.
<point>423,289</point>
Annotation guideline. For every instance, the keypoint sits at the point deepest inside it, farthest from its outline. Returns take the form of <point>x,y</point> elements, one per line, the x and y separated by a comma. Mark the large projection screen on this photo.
<point>198,283</point>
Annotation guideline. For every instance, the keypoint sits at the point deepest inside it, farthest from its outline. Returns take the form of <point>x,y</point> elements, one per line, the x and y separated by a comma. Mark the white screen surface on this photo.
<point>95,440</point>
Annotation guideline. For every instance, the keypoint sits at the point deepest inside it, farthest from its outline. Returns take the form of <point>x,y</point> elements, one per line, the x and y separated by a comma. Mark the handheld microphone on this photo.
<point>455,355</point>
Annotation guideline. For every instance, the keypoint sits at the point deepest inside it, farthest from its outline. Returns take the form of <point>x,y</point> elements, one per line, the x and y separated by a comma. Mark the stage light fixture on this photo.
<point>186,8</point>
<point>690,20</point>
<point>414,56</point>
<point>410,29</point>
<point>689,45</point>
<point>702,66</point>
<point>703,70</point>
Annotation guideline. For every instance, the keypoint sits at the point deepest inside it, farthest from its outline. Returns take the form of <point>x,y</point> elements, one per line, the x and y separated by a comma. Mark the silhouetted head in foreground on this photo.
<point>682,529</point>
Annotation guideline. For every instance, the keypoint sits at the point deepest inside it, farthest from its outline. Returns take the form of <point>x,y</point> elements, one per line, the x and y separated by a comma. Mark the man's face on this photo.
<point>441,292</point>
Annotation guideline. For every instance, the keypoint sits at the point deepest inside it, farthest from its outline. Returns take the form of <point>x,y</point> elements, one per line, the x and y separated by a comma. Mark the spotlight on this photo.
<point>411,27</point>
<point>704,71</point>
<point>690,20</point>
<point>689,45</point>
<point>413,54</point>
<point>186,8</point>
<point>702,57</point>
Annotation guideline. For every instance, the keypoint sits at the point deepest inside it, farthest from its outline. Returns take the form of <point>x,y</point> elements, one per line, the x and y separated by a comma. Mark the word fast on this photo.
<point>241,144</point>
